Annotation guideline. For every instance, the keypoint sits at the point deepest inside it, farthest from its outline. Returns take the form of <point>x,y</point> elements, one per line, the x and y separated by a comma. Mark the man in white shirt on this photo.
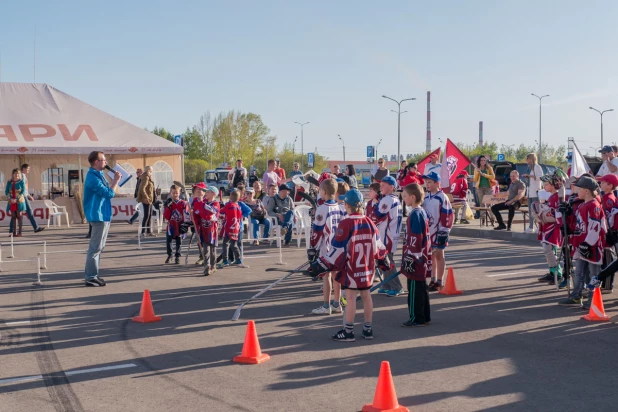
<point>433,165</point>
<point>610,162</point>
<point>535,171</point>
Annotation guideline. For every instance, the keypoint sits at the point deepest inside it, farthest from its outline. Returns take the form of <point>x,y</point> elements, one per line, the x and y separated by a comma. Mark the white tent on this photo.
<point>46,128</point>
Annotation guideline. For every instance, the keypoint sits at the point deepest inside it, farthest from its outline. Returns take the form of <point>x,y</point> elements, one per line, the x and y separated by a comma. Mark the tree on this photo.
<point>194,170</point>
<point>163,133</point>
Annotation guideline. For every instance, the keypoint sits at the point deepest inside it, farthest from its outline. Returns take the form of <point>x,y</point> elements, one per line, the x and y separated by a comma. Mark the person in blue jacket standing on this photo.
<point>98,209</point>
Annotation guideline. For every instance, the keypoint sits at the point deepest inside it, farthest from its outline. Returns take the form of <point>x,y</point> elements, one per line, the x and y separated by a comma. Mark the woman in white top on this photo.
<point>534,183</point>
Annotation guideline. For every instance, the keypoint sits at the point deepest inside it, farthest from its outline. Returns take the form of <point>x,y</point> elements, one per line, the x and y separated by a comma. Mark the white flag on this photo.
<point>578,163</point>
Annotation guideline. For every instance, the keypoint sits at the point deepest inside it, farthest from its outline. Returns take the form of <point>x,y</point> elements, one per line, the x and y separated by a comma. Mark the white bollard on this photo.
<point>12,249</point>
<point>38,273</point>
<point>44,257</point>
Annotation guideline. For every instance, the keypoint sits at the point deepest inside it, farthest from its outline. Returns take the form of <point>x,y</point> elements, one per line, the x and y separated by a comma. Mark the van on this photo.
<point>219,179</point>
<point>503,170</point>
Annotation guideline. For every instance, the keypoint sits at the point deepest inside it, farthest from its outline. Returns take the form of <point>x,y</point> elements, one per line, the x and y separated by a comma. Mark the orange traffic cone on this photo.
<point>450,288</point>
<point>251,352</point>
<point>146,313</point>
<point>597,311</point>
<point>385,398</point>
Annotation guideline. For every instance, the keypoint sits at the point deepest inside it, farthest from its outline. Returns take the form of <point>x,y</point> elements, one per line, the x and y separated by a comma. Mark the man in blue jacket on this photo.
<point>98,209</point>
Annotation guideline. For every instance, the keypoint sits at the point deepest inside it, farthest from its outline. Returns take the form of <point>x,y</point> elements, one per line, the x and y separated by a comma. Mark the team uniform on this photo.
<point>355,248</point>
<point>177,215</point>
<point>610,208</point>
<point>388,215</point>
<point>440,217</point>
<point>327,217</point>
<point>370,210</point>
<point>206,219</point>
<point>416,266</point>
<point>230,232</point>
<point>459,190</point>
<point>551,237</point>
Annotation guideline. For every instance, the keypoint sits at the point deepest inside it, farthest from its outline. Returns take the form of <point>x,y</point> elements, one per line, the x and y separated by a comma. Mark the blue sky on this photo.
<point>329,62</point>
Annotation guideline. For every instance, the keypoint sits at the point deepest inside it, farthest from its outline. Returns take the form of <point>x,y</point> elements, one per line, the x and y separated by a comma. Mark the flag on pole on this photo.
<point>453,163</point>
<point>578,163</point>
<point>420,166</point>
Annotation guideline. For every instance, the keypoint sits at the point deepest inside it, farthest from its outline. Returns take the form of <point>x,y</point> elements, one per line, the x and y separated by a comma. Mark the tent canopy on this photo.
<point>39,119</point>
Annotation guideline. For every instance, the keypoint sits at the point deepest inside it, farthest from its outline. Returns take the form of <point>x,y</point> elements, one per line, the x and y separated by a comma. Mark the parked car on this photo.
<point>218,178</point>
<point>503,171</point>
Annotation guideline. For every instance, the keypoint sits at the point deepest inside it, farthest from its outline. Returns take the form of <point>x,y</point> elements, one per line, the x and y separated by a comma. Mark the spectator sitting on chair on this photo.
<point>517,189</point>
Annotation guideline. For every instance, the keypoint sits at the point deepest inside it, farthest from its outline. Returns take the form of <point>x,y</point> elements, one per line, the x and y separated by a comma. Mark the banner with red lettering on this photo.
<point>454,161</point>
<point>420,166</point>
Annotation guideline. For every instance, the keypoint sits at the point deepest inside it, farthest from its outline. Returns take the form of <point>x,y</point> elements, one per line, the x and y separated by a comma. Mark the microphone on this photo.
<point>106,167</point>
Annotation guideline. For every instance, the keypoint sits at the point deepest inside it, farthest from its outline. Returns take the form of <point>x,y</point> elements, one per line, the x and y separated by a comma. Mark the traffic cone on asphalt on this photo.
<point>146,313</point>
<point>385,398</point>
<point>450,288</point>
<point>251,352</point>
<point>597,311</point>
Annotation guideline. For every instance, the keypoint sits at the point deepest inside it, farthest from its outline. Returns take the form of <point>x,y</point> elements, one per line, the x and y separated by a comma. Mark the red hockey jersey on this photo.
<point>610,207</point>
<point>355,248</point>
<point>551,233</point>
<point>206,218</point>
<point>416,256</point>
<point>370,210</point>
<point>459,188</point>
<point>232,220</point>
<point>590,228</point>
<point>176,213</point>
<point>412,178</point>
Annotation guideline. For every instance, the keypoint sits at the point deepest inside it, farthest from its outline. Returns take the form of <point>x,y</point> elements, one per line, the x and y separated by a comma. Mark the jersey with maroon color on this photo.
<point>233,219</point>
<point>355,248</point>
<point>206,219</point>
<point>176,213</point>
<point>590,228</point>
<point>327,217</point>
<point>459,188</point>
<point>370,211</point>
<point>610,207</point>
<point>417,247</point>
<point>551,233</point>
<point>389,215</point>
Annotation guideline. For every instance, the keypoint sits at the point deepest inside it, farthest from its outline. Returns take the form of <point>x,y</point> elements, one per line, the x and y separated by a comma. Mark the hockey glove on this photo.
<point>312,254</point>
<point>184,228</point>
<point>168,202</point>
<point>611,237</point>
<point>385,264</point>
<point>441,238</point>
<point>585,250</point>
<point>318,268</point>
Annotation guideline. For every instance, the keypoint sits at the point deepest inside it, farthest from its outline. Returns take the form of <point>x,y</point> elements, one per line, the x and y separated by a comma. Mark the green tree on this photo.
<point>163,133</point>
<point>194,170</point>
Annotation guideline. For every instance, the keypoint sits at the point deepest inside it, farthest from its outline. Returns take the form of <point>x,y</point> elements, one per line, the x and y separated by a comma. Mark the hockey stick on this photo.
<point>388,279</point>
<point>189,248</point>
<point>261,292</point>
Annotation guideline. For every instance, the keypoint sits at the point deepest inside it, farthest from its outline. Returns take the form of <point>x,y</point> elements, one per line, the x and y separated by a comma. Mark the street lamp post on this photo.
<point>378,145</point>
<point>540,117</point>
<point>343,147</point>
<point>294,150</point>
<point>601,113</point>
<point>398,121</point>
<point>302,151</point>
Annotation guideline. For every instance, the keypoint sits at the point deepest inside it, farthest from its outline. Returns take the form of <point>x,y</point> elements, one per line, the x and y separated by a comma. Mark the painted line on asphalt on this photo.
<point>510,273</point>
<point>21,322</point>
<point>68,373</point>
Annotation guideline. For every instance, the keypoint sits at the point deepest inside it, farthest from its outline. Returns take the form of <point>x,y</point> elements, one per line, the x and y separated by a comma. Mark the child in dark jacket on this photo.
<point>176,212</point>
<point>232,226</point>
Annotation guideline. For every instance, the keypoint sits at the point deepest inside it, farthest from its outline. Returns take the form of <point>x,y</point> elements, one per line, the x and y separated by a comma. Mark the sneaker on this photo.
<point>200,261</point>
<point>552,282</point>
<point>286,244</point>
<point>343,336</point>
<point>213,269</point>
<point>368,334</point>
<point>571,302</point>
<point>256,243</point>
<point>508,229</point>
<point>546,278</point>
<point>237,262</point>
<point>95,281</point>
<point>223,264</point>
<point>176,260</point>
<point>168,260</point>
<point>464,222</point>
<point>151,234</point>
<point>130,221</point>
<point>594,283</point>
<point>394,293</point>
<point>528,230</point>
<point>563,284</point>
<point>337,309</point>
<point>322,310</point>
<point>455,222</point>
<point>39,229</point>
<point>206,271</point>
<point>500,227</point>
<point>437,286</point>
<point>411,324</point>
<point>383,291</point>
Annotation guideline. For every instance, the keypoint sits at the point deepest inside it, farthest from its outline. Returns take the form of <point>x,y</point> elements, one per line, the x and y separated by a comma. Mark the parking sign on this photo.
<point>501,157</point>
<point>370,151</point>
<point>310,159</point>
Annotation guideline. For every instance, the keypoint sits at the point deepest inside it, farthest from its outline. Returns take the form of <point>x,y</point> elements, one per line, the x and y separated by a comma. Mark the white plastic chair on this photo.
<point>303,223</point>
<point>55,213</point>
<point>155,217</point>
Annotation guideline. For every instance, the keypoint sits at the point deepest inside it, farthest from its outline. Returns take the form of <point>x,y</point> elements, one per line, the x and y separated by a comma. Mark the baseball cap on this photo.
<point>606,149</point>
<point>339,180</point>
<point>200,185</point>
<point>353,197</point>
<point>611,179</point>
<point>463,173</point>
<point>390,180</point>
<point>586,182</point>
<point>213,189</point>
<point>283,187</point>
<point>249,190</point>
<point>432,176</point>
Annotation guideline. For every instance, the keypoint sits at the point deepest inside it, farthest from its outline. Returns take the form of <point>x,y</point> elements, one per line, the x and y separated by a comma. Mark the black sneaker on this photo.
<point>206,271</point>
<point>343,336</point>
<point>130,222</point>
<point>436,287</point>
<point>368,334</point>
<point>464,222</point>
<point>500,227</point>
<point>410,324</point>
<point>168,260</point>
<point>176,260</point>
<point>571,302</point>
<point>553,282</point>
<point>548,276</point>
<point>96,281</point>
<point>39,229</point>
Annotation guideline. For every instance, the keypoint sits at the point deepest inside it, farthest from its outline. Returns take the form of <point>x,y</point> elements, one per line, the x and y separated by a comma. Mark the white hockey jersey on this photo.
<point>388,215</point>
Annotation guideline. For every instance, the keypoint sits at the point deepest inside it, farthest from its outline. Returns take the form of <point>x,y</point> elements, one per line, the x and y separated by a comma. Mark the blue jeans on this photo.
<point>288,222</point>
<point>583,272</point>
<point>256,227</point>
<point>35,226</point>
<point>97,244</point>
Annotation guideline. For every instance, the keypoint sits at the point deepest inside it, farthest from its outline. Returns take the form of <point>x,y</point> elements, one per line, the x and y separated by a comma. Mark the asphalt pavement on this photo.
<point>504,345</point>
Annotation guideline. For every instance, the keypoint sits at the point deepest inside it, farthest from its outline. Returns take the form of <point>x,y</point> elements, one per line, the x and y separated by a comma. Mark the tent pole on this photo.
<point>182,168</point>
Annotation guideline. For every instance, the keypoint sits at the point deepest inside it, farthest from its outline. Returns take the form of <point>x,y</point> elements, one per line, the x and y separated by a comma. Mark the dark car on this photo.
<point>503,170</point>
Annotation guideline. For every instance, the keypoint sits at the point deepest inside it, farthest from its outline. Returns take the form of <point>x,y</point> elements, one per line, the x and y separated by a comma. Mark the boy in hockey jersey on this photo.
<point>550,233</point>
<point>372,203</point>
<point>327,218</point>
<point>459,190</point>
<point>440,218</point>
<point>389,215</point>
<point>416,259</point>
<point>206,220</point>
<point>176,212</point>
<point>356,248</point>
<point>588,240</point>
<point>231,229</point>
<point>195,202</point>
<point>608,184</point>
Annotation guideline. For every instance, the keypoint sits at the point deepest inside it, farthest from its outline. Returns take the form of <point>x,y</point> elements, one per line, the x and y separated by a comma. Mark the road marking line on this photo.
<point>510,273</point>
<point>68,373</point>
<point>21,322</point>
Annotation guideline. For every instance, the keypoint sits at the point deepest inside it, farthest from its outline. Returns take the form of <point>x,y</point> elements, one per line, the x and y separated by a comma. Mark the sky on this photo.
<point>164,63</point>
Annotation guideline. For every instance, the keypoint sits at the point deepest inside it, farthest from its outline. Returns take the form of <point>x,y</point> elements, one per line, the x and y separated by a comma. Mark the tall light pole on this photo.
<point>294,150</point>
<point>398,121</point>
<point>378,145</point>
<point>343,147</point>
<point>540,118</point>
<point>302,151</point>
<point>601,113</point>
